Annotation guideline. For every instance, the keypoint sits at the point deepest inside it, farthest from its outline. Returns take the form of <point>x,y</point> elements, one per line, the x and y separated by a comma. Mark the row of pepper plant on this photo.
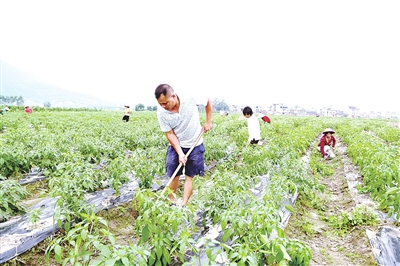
<point>68,147</point>
<point>374,147</point>
<point>251,221</point>
<point>81,152</point>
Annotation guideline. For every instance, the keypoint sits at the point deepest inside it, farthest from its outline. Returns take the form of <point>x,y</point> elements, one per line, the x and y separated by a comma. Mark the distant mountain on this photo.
<point>16,82</point>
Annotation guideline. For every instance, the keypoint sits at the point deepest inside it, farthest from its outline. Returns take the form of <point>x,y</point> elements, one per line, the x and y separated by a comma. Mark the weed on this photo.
<point>34,216</point>
<point>308,227</point>
<point>360,215</point>
<point>327,256</point>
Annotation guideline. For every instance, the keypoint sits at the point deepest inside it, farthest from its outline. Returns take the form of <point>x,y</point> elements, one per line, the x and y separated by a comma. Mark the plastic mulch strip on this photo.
<point>386,245</point>
<point>19,235</point>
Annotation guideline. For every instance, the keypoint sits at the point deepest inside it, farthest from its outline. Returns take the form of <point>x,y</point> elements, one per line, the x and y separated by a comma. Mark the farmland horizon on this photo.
<point>17,82</point>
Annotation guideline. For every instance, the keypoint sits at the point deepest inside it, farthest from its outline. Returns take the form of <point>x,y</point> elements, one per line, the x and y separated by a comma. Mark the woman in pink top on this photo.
<point>28,110</point>
<point>327,144</point>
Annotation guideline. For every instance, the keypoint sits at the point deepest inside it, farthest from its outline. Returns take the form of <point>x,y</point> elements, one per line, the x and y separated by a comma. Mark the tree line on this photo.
<point>218,105</point>
<point>12,100</point>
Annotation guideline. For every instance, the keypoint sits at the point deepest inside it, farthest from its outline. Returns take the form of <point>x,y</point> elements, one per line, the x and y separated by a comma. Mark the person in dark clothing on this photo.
<point>127,113</point>
<point>4,111</point>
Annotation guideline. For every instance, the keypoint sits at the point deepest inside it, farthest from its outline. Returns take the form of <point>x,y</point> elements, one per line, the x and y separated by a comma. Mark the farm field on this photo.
<point>275,204</point>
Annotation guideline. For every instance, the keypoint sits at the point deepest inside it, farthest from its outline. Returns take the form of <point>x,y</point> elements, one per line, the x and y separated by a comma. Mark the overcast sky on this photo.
<point>307,53</point>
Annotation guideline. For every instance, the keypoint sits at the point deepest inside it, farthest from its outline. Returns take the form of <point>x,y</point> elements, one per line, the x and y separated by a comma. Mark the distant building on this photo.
<point>279,108</point>
<point>353,110</point>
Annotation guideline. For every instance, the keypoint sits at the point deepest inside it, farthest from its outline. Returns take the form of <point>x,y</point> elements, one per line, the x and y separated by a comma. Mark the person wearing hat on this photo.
<point>127,113</point>
<point>327,144</point>
<point>3,111</point>
<point>28,110</point>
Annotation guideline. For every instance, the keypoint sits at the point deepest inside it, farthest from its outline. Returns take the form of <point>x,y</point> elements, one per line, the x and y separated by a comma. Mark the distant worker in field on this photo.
<point>224,113</point>
<point>4,111</point>
<point>266,119</point>
<point>327,144</point>
<point>253,125</point>
<point>179,119</point>
<point>28,110</point>
<point>127,113</point>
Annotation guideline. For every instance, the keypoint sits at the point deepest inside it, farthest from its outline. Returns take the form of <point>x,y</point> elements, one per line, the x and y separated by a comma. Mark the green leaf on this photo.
<point>58,250</point>
<point>96,244</point>
<point>209,253</point>
<point>95,263</point>
<point>57,258</point>
<point>282,263</point>
<point>105,251</point>
<point>174,226</point>
<point>289,208</point>
<point>227,234</point>
<point>152,259</point>
<point>166,255</point>
<point>110,262</point>
<point>264,239</point>
<point>145,234</point>
<point>285,254</point>
<point>67,226</point>
<point>279,256</point>
<point>104,222</point>
<point>159,250</point>
<point>125,261</point>
<point>112,239</point>
<point>392,190</point>
<point>224,222</point>
<point>66,260</point>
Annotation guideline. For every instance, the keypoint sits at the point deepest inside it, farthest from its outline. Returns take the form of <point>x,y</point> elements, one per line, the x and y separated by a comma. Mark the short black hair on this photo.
<point>162,89</point>
<point>247,111</point>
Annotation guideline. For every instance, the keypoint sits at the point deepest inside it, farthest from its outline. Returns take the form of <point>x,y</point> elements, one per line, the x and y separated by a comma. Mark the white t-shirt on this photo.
<point>185,123</point>
<point>254,128</point>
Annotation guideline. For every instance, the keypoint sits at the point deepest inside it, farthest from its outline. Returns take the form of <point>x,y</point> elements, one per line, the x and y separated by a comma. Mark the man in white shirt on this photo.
<point>180,120</point>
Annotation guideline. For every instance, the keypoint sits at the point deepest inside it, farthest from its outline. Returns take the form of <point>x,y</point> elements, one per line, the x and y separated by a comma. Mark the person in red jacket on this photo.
<point>327,144</point>
<point>266,119</point>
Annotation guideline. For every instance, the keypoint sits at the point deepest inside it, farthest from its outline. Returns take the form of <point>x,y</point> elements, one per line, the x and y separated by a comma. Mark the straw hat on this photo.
<point>329,130</point>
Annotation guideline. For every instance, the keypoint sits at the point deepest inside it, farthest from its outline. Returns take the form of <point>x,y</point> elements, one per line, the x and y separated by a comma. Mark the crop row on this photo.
<point>378,155</point>
<point>68,146</point>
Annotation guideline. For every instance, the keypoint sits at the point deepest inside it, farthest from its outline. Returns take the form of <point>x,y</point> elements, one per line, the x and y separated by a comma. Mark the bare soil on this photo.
<point>121,222</point>
<point>310,221</point>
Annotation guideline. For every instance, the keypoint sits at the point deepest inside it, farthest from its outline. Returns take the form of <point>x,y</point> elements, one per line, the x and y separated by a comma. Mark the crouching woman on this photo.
<point>327,144</point>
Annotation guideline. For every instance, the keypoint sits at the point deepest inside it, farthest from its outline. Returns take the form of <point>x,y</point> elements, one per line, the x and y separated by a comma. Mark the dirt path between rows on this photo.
<point>311,221</point>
